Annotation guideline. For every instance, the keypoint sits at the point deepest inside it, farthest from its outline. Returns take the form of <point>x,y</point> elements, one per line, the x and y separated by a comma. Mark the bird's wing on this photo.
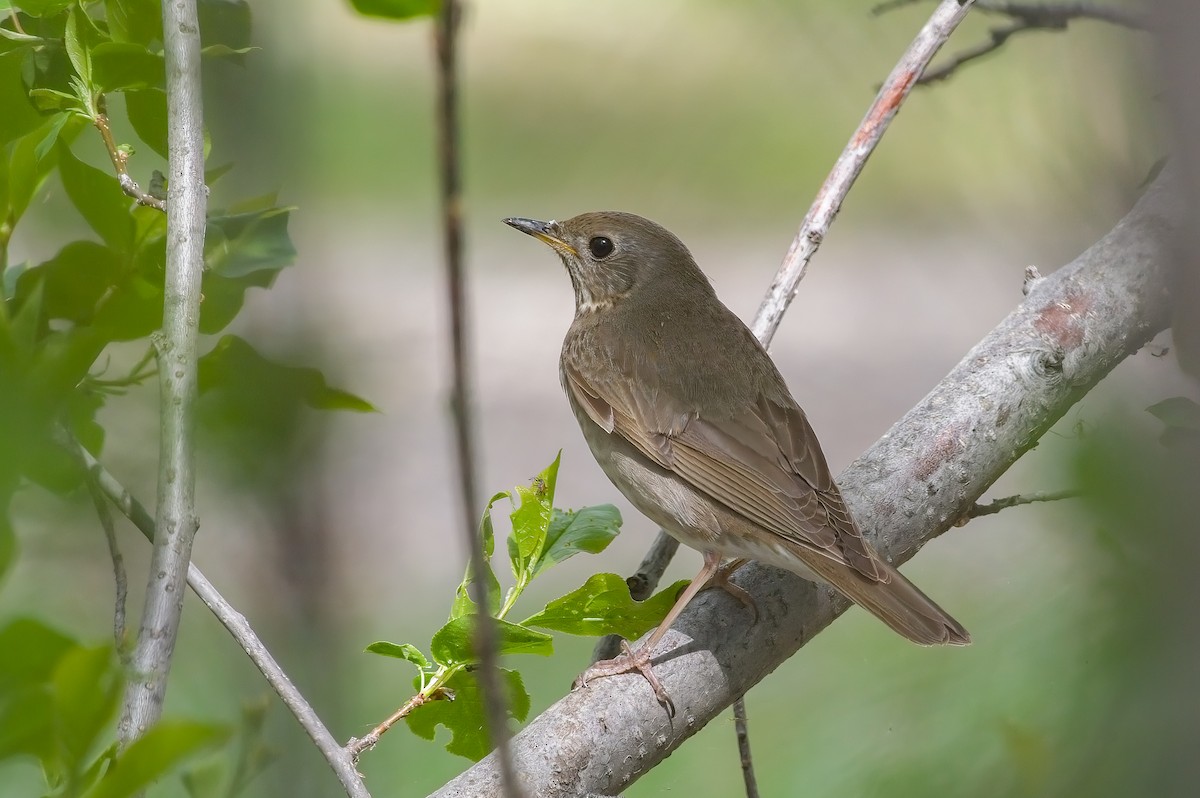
<point>764,463</point>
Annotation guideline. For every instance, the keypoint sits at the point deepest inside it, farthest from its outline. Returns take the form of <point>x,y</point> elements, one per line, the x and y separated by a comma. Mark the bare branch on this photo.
<point>945,18</point>
<point>1016,501</point>
<point>176,523</point>
<point>1050,13</point>
<point>446,41</point>
<point>911,486</point>
<point>242,632</point>
<point>1025,17</point>
<point>743,741</point>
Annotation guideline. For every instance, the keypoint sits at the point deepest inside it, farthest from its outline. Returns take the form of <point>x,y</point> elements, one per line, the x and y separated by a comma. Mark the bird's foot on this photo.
<point>721,580</point>
<point>628,661</point>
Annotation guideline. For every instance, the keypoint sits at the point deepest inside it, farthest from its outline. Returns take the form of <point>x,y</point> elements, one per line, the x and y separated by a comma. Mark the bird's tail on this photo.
<point>895,601</point>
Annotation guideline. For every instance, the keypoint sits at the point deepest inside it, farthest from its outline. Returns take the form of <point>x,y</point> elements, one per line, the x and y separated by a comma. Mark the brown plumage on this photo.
<point>688,416</point>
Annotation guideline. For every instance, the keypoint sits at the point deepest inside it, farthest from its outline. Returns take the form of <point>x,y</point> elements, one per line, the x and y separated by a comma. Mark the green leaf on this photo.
<point>234,365</point>
<point>43,8</point>
<point>243,243</point>
<point>54,100</point>
<point>397,9</point>
<point>8,549</point>
<point>405,651</point>
<point>531,521</point>
<point>453,644</point>
<point>31,162</point>
<point>463,605</point>
<point>121,66</point>
<point>27,726</point>
<point>225,22</point>
<point>463,715</point>
<point>4,184</point>
<point>224,51</point>
<point>137,21</point>
<point>51,137</point>
<point>159,751</point>
<point>588,529</point>
<point>603,606</point>
<point>19,116</point>
<point>147,112</point>
<point>27,322</point>
<point>86,687</point>
<point>206,780</point>
<point>29,650</point>
<point>73,280</point>
<point>99,199</point>
<point>81,39</point>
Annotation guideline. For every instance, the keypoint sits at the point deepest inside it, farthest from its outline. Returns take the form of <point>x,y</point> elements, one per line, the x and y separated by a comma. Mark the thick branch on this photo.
<point>911,486</point>
<point>176,522</point>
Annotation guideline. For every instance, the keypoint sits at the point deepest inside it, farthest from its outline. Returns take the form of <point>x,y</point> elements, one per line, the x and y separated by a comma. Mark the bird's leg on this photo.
<point>721,579</point>
<point>639,660</point>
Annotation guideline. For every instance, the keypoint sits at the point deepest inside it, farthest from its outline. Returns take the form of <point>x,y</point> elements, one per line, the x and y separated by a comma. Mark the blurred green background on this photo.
<point>717,119</point>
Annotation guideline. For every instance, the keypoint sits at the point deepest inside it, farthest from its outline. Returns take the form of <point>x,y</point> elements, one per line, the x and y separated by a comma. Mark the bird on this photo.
<point>685,412</point>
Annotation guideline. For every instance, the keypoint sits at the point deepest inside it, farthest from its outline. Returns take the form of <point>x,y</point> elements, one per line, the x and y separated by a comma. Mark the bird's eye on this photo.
<point>600,247</point>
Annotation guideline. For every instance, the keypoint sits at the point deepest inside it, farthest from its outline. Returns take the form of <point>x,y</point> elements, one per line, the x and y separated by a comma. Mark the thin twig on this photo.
<point>495,706</point>
<point>743,740</point>
<point>176,522</point>
<point>996,506</point>
<point>120,161</point>
<point>1024,17</point>
<point>356,745</point>
<point>1065,12</point>
<point>945,18</point>
<point>118,564</point>
<point>242,632</point>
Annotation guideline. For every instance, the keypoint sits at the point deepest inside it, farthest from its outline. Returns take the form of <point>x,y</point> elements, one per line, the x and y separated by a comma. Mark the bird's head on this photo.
<point>612,255</point>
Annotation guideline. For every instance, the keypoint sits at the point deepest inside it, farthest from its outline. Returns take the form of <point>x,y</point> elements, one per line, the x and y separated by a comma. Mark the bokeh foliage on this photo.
<point>62,323</point>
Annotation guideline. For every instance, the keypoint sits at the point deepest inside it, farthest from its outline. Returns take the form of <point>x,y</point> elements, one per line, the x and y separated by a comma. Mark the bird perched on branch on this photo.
<point>686,413</point>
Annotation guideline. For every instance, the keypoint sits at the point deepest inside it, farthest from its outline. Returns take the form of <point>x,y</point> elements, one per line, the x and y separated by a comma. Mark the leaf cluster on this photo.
<point>448,691</point>
<point>57,699</point>
<point>63,321</point>
<point>60,62</point>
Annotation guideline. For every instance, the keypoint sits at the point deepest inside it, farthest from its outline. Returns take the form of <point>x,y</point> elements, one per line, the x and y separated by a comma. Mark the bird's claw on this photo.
<point>628,661</point>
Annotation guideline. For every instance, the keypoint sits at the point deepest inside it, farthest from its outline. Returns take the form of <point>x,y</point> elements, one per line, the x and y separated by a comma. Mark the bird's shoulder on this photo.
<point>698,355</point>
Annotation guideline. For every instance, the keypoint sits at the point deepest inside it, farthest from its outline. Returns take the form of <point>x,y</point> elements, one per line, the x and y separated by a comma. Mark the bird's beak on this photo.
<point>544,231</point>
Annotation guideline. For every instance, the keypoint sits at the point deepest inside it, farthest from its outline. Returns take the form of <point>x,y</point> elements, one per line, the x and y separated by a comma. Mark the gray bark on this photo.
<point>176,522</point>
<point>1073,327</point>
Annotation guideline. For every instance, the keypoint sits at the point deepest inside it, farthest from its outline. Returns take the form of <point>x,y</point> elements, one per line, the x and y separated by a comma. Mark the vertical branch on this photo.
<point>452,241</point>
<point>445,39</point>
<point>176,522</point>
